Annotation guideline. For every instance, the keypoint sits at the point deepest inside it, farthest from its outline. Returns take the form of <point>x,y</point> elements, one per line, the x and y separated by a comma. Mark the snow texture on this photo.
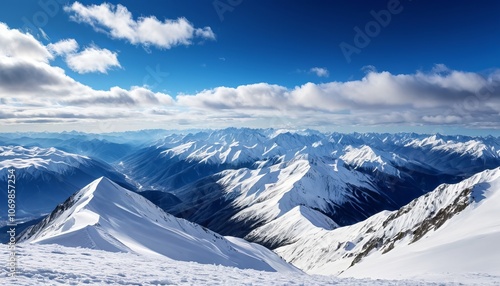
<point>40,265</point>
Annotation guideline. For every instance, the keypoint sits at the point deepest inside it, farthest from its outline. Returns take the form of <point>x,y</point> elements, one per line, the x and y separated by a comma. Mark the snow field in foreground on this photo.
<point>58,265</point>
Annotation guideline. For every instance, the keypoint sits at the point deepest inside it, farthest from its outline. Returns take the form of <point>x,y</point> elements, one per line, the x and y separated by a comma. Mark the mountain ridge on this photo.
<point>105,216</point>
<point>339,250</point>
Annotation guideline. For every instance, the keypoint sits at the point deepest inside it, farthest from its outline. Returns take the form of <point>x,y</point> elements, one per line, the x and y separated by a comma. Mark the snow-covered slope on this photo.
<point>108,217</point>
<point>47,176</point>
<point>291,225</point>
<point>455,241</point>
<point>307,188</point>
<point>453,229</point>
<point>249,202</point>
<point>366,158</point>
<point>37,160</point>
<point>40,265</point>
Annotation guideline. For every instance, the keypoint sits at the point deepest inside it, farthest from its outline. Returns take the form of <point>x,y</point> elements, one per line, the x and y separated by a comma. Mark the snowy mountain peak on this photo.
<point>102,188</point>
<point>105,216</point>
<point>366,158</point>
<point>96,202</point>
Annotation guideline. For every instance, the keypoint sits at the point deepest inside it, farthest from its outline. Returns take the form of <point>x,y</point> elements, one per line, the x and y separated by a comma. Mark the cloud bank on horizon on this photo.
<point>35,91</point>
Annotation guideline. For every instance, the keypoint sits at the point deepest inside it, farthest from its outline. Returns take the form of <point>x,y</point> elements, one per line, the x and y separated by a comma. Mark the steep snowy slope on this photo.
<point>289,226</point>
<point>463,241</point>
<point>106,216</point>
<point>248,202</point>
<point>366,158</point>
<point>450,230</point>
<point>47,176</point>
<point>323,189</point>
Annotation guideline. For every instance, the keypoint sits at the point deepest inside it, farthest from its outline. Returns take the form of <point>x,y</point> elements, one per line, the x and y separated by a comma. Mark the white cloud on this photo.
<point>205,33</point>
<point>254,96</point>
<point>44,35</point>
<point>118,22</point>
<point>14,43</point>
<point>439,68</point>
<point>378,98</point>
<point>37,84</point>
<point>369,68</point>
<point>441,119</point>
<point>63,47</point>
<point>136,96</point>
<point>92,59</point>
<point>321,72</point>
<point>32,92</point>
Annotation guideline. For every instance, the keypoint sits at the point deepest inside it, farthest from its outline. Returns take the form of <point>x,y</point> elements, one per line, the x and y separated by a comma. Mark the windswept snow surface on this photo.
<point>108,217</point>
<point>39,265</point>
<point>444,234</point>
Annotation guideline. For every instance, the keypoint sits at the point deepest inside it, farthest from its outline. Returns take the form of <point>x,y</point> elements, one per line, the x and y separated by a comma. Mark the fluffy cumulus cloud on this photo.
<point>32,83</point>
<point>92,59</point>
<point>63,47</point>
<point>14,43</point>
<point>119,23</point>
<point>34,91</point>
<point>321,72</point>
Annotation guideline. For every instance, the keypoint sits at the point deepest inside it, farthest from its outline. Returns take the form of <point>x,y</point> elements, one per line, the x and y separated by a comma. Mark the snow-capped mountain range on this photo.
<point>243,182</point>
<point>48,176</point>
<point>328,203</point>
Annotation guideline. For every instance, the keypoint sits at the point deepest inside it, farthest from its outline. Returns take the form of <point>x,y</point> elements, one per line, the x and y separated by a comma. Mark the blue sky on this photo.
<point>122,65</point>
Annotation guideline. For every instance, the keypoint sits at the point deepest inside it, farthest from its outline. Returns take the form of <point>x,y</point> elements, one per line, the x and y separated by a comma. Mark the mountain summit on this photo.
<point>105,216</point>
